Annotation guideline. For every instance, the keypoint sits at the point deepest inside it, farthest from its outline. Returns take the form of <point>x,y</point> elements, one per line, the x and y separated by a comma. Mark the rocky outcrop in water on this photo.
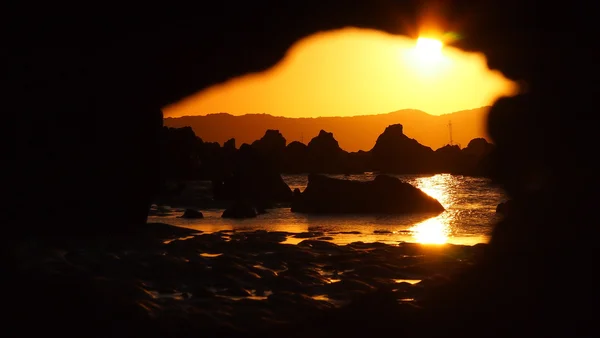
<point>192,213</point>
<point>253,179</point>
<point>395,152</point>
<point>188,157</point>
<point>385,194</point>
<point>325,154</point>
<point>240,209</point>
<point>271,147</point>
<point>295,158</point>
<point>478,158</point>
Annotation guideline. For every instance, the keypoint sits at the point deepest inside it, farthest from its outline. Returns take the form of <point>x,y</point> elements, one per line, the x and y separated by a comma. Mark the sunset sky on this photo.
<point>356,72</point>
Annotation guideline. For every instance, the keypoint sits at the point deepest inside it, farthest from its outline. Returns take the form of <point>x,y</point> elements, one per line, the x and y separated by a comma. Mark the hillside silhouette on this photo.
<point>353,133</point>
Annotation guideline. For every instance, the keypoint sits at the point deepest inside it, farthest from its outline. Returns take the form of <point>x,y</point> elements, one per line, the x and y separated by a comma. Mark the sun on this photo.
<point>427,58</point>
<point>428,49</point>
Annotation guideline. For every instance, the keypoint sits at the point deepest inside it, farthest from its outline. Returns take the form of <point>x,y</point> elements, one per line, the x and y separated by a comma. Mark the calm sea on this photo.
<point>469,217</point>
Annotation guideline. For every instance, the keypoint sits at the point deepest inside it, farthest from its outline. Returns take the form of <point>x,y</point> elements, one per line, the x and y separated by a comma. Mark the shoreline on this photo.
<point>469,217</point>
<point>241,282</point>
<point>366,228</point>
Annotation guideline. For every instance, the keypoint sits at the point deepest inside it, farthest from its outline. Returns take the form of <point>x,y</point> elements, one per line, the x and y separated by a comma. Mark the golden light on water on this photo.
<point>467,201</point>
<point>438,187</point>
<point>431,231</point>
<point>435,230</point>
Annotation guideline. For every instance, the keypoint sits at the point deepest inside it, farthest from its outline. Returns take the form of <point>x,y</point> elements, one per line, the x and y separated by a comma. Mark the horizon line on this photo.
<point>318,117</point>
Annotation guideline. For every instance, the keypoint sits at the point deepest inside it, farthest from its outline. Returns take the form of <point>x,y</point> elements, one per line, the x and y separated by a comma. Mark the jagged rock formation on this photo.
<point>395,152</point>
<point>252,179</point>
<point>295,158</point>
<point>181,151</point>
<point>229,145</point>
<point>325,154</point>
<point>354,133</point>
<point>270,148</point>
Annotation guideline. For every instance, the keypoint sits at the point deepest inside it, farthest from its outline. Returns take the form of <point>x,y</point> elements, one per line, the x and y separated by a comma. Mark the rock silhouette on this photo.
<point>383,195</point>
<point>229,145</point>
<point>181,153</point>
<point>430,130</point>
<point>253,178</point>
<point>394,152</point>
<point>449,158</point>
<point>271,147</point>
<point>325,154</point>
<point>240,209</point>
<point>191,213</point>
<point>295,158</point>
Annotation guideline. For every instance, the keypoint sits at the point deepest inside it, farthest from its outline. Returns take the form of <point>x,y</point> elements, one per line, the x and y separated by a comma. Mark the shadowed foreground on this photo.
<point>233,284</point>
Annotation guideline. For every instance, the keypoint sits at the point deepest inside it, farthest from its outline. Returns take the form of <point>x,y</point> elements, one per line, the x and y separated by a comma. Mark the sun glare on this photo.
<point>431,231</point>
<point>435,230</point>
<point>428,49</point>
<point>353,71</point>
<point>428,60</point>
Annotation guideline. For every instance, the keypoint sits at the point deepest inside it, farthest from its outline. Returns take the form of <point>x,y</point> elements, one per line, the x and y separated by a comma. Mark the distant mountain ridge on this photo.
<point>352,132</point>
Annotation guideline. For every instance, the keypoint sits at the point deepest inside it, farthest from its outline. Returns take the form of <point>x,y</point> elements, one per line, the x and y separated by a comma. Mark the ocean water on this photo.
<point>469,217</point>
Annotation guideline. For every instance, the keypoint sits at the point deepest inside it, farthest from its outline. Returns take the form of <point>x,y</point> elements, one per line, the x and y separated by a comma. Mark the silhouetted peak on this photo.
<point>396,152</point>
<point>323,136</point>
<point>272,141</point>
<point>183,135</point>
<point>272,133</point>
<point>478,146</point>
<point>274,136</point>
<point>229,144</point>
<point>296,145</point>
<point>448,148</point>
<point>323,133</point>
<point>245,147</point>
<point>187,131</point>
<point>478,142</point>
<point>391,136</point>
<point>324,140</point>
<point>394,128</point>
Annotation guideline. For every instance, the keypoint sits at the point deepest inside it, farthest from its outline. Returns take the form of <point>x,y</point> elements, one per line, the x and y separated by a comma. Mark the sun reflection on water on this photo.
<point>438,186</point>
<point>469,202</point>
<point>435,230</point>
<point>431,231</point>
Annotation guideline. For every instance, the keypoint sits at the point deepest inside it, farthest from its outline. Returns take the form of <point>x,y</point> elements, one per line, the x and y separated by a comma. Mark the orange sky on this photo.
<point>355,72</point>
